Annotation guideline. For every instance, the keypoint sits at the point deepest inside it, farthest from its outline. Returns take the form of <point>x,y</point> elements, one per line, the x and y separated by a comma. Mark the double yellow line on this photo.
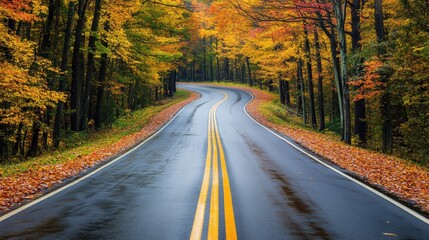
<point>215,154</point>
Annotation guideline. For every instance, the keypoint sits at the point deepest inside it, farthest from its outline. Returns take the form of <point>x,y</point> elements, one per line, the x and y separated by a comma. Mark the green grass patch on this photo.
<point>277,113</point>
<point>76,144</point>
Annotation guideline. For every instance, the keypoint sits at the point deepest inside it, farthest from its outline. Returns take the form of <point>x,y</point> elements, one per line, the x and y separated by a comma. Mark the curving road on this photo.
<point>215,173</point>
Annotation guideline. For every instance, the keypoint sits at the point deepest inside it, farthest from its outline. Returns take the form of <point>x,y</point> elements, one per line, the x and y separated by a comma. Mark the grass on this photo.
<point>77,144</point>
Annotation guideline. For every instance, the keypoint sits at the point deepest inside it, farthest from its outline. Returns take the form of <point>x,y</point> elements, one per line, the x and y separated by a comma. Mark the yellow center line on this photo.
<point>214,152</point>
<point>230,228</point>
<point>214,201</point>
<point>197,227</point>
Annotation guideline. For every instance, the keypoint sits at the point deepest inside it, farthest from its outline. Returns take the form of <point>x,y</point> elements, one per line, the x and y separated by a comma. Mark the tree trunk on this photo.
<point>333,45</point>
<point>287,92</point>
<point>90,65</point>
<point>226,69</point>
<point>340,13</point>
<point>75,92</point>
<point>204,60</point>
<point>385,108</point>
<point>63,67</point>
<point>298,89</point>
<point>34,146</point>
<point>17,145</point>
<point>312,108</point>
<point>249,73</point>
<point>101,82</point>
<point>281,92</point>
<point>302,90</point>
<point>45,52</point>
<point>319,82</point>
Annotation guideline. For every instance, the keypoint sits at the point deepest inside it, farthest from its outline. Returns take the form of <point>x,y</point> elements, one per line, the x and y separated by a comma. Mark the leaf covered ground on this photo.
<point>29,184</point>
<point>398,177</point>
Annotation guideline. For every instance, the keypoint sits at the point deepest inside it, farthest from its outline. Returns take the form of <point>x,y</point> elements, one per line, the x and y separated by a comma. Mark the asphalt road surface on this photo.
<point>215,173</point>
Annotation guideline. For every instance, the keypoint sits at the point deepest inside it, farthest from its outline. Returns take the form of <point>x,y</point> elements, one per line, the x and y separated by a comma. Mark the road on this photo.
<point>213,172</point>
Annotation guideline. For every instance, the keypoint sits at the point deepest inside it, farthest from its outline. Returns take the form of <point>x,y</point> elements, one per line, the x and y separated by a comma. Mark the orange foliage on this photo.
<point>17,10</point>
<point>397,177</point>
<point>370,84</point>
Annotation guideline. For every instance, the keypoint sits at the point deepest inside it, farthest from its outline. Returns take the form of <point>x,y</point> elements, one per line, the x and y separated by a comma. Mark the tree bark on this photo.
<point>385,108</point>
<point>101,82</point>
<point>333,45</point>
<point>63,68</point>
<point>307,50</point>
<point>340,14</point>
<point>320,96</point>
<point>90,65</point>
<point>249,73</point>
<point>204,60</point>
<point>75,92</point>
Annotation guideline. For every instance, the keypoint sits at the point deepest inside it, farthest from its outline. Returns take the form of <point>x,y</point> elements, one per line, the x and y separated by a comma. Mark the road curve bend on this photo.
<point>214,173</point>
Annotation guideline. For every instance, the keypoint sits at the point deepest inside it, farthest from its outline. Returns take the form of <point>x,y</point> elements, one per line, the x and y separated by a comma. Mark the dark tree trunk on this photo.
<point>319,82</point>
<point>298,96</point>
<point>101,82</point>
<point>385,108</point>
<point>63,67</point>
<point>243,73</point>
<point>46,40</point>
<point>45,51</point>
<point>76,83</point>
<point>17,145</point>
<point>204,60</point>
<point>312,108</point>
<point>11,24</point>
<point>282,93</point>
<point>226,69</point>
<point>302,91</point>
<point>249,72</point>
<point>34,146</point>
<point>286,90</point>
<point>90,65</point>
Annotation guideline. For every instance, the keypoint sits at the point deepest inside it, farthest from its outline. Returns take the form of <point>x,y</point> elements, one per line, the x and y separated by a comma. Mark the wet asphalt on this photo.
<point>152,192</point>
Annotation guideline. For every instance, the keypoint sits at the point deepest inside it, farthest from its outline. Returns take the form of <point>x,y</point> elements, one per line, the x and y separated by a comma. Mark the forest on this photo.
<point>356,68</point>
<point>75,66</point>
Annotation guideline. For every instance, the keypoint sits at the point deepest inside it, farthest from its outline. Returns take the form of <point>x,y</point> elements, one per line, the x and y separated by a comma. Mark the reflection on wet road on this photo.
<point>214,173</point>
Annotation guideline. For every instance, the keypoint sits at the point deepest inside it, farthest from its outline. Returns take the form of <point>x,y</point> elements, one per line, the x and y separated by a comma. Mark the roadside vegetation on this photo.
<point>26,180</point>
<point>400,178</point>
<point>82,143</point>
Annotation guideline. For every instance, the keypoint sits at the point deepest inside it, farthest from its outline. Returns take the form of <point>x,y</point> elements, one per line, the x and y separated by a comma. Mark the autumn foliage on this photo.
<point>395,176</point>
<point>356,68</point>
<point>30,184</point>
